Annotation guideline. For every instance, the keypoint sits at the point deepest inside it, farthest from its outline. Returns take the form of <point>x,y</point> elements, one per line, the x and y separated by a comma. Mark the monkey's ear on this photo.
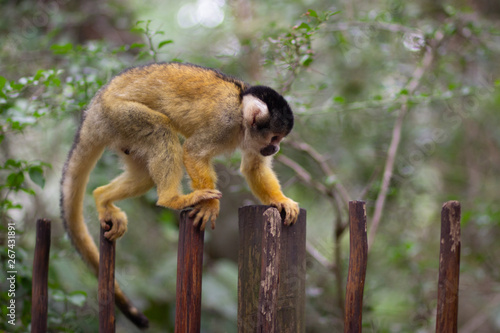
<point>254,110</point>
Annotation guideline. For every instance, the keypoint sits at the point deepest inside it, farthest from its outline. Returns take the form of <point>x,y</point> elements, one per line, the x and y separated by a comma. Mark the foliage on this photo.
<point>17,114</point>
<point>23,103</point>
<point>292,51</point>
<point>150,50</point>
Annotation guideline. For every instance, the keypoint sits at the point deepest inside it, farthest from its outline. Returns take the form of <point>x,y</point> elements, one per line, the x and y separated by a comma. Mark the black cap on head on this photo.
<point>280,114</point>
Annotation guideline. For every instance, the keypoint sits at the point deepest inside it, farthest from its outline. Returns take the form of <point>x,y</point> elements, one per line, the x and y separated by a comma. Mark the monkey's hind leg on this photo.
<point>134,181</point>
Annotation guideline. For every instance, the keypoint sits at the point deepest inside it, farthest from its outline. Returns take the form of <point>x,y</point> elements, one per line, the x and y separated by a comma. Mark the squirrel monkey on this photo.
<point>140,114</point>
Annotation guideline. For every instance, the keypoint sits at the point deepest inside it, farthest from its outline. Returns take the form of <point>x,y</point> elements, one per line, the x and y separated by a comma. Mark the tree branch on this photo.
<point>391,27</point>
<point>304,175</point>
<point>321,161</point>
<point>412,86</point>
<point>313,252</point>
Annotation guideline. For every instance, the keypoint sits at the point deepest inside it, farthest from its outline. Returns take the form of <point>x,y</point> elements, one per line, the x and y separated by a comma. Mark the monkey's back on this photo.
<point>192,97</point>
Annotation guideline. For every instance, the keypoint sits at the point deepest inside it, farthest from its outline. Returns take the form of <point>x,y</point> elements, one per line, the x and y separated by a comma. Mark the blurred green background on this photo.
<point>396,102</point>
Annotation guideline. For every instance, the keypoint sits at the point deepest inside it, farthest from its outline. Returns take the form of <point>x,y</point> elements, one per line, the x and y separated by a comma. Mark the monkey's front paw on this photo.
<point>204,211</point>
<point>291,209</point>
<point>117,219</point>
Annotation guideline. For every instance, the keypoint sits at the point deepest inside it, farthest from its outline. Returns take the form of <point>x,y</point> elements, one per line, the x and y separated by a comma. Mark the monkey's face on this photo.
<point>262,141</point>
<point>267,119</point>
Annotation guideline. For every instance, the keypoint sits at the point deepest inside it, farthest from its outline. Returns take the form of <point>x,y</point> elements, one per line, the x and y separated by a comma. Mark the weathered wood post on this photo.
<point>271,272</point>
<point>449,268</point>
<point>189,273</point>
<point>106,289</point>
<point>358,259</point>
<point>39,297</point>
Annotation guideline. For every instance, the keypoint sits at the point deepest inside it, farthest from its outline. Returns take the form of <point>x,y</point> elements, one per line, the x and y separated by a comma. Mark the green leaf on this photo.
<point>15,125</point>
<point>54,80</point>
<point>77,298</point>
<point>122,48</point>
<point>137,46</point>
<point>15,179</point>
<point>312,13</point>
<point>10,164</point>
<point>36,175</point>
<point>138,30</point>
<point>306,60</point>
<point>16,86</point>
<point>7,204</point>
<point>39,74</point>
<point>165,42</point>
<point>305,26</point>
<point>61,48</point>
<point>28,191</point>
<point>339,99</point>
<point>3,81</point>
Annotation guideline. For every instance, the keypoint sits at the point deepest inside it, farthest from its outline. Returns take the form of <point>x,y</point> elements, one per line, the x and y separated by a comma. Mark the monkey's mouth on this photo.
<point>269,150</point>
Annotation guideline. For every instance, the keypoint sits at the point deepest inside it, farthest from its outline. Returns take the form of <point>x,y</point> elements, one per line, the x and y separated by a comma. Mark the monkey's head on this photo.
<point>267,120</point>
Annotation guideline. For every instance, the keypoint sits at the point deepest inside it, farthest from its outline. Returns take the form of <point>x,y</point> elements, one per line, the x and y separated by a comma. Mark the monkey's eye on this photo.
<point>274,138</point>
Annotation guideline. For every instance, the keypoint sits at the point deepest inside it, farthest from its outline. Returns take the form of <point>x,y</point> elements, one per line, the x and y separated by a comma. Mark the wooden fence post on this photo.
<point>189,273</point>
<point>39,298</point>
<point>106,289</point>
<point>358,258</point>
<point>271,272</point>
<point>449,268</point>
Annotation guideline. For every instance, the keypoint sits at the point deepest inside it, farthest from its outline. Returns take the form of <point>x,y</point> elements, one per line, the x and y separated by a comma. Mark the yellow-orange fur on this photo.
<point>140,114</point>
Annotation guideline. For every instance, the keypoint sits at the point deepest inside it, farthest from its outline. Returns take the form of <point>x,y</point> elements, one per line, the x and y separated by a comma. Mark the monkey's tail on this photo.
<point>82,158</point>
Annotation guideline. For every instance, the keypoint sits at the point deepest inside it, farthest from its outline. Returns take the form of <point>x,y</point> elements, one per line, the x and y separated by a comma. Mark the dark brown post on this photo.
<point>358,258</point>
<point>106,291</point>
<point>449,268</point>
<point>272,267</point>
<point>189,272</point>
<point>39,300</point>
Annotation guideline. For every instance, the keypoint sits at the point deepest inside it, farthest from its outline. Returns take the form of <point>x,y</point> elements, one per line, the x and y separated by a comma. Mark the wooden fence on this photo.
<point>271,277</point>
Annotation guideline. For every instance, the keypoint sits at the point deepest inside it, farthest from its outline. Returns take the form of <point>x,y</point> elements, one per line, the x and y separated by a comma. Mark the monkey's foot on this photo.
<point>118,220</point>
<point>291,209</point>
<point>204,211</point>
<point>188,200</point>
